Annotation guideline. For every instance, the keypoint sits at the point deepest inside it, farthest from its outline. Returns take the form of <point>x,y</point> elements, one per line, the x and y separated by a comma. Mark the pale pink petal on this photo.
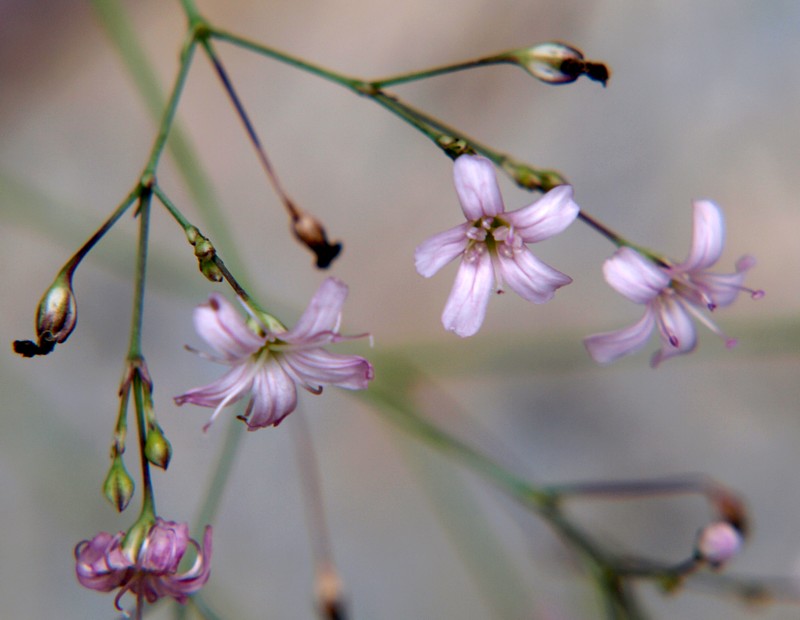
<point>274,397</point>
<point>610,346</point>
<point>548,216</point>
<point>164,547</point>
<point>635,277</point>
<point>322,314</point>
<point>529,277</point>
<point>720,289</point>
<point>229,387</point>
<point>316,367</point>
<point>219,323</point>
<point>434,253</point>
<point>708,237</point>
<point>676,330</point>
<point>476,186</point>
<point>466,306</point>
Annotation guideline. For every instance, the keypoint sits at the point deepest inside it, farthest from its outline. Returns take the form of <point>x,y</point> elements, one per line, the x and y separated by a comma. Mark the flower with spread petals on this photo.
<point>672,294</point>
<point>268,364</point>
<point>491,244</point>
<point>105,563</point>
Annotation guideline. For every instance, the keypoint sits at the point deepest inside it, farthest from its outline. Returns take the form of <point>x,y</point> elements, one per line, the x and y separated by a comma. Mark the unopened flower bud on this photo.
<point>118,486</point>
<point>58,311</point>
<point>557,63</point>
<point>157,448</point>
<point>311,232</point>
<point>717,543</point>
<point>55,318</point>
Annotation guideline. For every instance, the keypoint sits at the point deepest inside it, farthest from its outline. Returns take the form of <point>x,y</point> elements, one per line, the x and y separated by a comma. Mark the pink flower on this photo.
<point>492,245</point>
<point>266,364</point>
<point>672,294</point>
<point>103,564</point>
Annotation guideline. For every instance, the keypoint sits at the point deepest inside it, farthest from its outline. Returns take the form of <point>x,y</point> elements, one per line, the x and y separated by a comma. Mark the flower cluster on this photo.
<point>672,294</point>
<point>491,244</point>
<point>268,364</point>
<point>150,571</point>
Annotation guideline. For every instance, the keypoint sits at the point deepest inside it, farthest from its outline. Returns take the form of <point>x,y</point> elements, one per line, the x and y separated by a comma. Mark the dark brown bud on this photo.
<point>311,232</point>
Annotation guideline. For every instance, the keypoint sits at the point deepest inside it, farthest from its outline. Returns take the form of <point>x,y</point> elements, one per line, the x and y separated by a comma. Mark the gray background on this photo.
<point>702,102</point>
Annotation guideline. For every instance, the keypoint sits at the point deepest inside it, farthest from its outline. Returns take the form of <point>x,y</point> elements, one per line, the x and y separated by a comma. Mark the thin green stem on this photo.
<point>332,76</point>
<point>148,497</point>
<point>76,258</point>
<point>169,112</point>
<point>135,347</point>
<point>413,76</point>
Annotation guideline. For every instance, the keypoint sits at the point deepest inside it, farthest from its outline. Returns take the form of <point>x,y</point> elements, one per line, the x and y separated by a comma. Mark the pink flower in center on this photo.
<point>672,295</point>
<point>267,365</point>
<point>103,564</point>
<point>492,245</point>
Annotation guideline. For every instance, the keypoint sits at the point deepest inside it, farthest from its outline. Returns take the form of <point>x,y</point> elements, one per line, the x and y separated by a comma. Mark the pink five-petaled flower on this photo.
<point>103,564</point>
<point>672,294</point>
<point>267,365</point>
<point>492,245</point>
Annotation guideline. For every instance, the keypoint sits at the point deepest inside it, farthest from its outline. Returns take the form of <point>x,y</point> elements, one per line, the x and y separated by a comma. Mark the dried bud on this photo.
<point>717,543</point>
<point>55,318</point>
<point>311,232</point>
<point>118,486</point>
<point>557,63</point>
<point>157,448</point>
<point>329,594</point>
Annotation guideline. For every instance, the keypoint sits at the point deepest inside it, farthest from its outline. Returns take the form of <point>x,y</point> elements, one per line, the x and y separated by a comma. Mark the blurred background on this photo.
<point>702,103</point>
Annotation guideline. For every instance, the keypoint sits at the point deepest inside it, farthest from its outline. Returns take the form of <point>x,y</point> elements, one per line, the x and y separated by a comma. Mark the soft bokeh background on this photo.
<point>702,102</point>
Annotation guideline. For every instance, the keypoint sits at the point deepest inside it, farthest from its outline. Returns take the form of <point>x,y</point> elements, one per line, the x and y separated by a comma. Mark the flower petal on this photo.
<point>231,387</point>
<point>529,277</point>
<point>608,347</point>
<point>676,330</point>
<point>476,185</point>
<point>315,367</point>
<point>546,217</point>
<point>222,327</point>
<point>322,314</point>
<point>635,277</point>
<point>434,253</point>
<point>466,306</point>
<point>274,397</point>
<point>708,237</point>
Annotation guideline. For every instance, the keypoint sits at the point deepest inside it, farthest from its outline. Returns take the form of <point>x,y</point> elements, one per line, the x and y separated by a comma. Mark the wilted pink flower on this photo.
<point>672,294</point>
<point>492,245</point>
<point>103,564</point>
<point>268,364</point>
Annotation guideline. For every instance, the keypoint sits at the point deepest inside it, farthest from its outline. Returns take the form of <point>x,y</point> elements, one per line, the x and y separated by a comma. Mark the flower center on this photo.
<point>491,234</point>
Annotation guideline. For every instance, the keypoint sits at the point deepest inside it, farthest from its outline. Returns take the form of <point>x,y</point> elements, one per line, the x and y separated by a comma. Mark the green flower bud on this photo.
<point>157,448</point>
<point>118,486</point>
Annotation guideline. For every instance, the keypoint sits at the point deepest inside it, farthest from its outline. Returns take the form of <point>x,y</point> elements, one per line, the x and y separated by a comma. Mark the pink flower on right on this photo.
<point>672,294</point>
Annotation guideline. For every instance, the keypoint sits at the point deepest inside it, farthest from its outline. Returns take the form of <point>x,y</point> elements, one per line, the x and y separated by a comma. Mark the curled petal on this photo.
<point>546,217</point>
<point>223,328</point>
<point>434,253</point>
<point>94,565</point>
<point>316,367</point>
<point>476,185</point>
<point>164,547</point>
<point>180,586</point>
<point>274,397</point>
<point>466,306</point>
<point>529,277</point>
<point>633,276</point>
<point>708,237</point>
<point>608,347</point>
<point>323,312</point>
